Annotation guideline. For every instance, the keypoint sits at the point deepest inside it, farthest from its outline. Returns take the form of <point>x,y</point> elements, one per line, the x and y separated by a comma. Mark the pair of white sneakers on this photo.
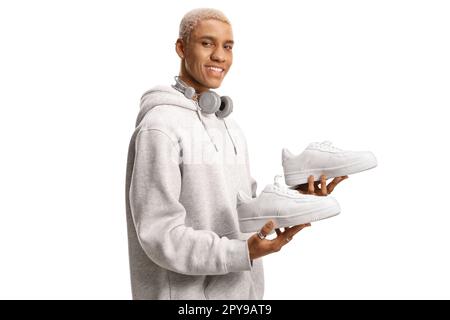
<point>287,207</point>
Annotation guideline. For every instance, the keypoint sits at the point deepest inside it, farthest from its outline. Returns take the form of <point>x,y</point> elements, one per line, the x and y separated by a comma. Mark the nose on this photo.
<point>218,55</point>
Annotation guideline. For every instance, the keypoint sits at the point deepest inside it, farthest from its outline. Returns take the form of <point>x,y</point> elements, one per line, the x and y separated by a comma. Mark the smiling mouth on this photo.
<point>216,71</point>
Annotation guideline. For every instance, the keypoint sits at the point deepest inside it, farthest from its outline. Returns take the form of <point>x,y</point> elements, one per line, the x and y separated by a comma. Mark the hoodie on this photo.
<point>184,171</point>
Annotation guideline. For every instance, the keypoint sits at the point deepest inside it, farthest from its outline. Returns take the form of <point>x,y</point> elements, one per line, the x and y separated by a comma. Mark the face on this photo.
<point>207,56</point>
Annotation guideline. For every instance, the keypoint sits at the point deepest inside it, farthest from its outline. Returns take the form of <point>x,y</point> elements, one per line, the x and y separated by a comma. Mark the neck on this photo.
<point>191,82</point>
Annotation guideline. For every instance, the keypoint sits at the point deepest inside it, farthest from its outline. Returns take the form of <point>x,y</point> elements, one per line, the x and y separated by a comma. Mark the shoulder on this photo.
<point>168,116</point>
<point>163,107</point>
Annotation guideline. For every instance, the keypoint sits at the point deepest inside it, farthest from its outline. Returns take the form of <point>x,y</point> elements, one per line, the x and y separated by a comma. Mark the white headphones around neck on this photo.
<point>208,101</point>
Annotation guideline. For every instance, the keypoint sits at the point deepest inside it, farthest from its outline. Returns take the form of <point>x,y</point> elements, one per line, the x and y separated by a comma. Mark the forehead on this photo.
<point>213,28</point>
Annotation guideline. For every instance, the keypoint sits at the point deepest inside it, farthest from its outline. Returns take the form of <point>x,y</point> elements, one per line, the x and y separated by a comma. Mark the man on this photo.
<point>185,168</point>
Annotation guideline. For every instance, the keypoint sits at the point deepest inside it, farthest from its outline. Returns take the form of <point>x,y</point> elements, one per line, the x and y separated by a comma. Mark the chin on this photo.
<point>214,84</point>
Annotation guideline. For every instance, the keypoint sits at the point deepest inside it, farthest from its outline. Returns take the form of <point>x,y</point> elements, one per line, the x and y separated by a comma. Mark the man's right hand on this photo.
<point>260,247</point>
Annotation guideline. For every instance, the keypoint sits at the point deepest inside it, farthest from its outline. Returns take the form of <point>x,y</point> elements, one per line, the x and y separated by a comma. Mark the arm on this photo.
<point>159,217</point>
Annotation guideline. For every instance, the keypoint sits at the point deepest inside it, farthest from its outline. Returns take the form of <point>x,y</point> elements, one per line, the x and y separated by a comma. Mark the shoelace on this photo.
<point>280,186</point>
<point>325,146</point>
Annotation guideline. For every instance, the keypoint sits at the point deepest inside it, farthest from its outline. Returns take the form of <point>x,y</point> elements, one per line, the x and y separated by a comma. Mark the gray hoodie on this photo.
<point>184,171</point>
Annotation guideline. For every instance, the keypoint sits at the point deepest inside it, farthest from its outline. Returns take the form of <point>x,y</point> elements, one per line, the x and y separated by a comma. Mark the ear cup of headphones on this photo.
<point>226,107</point>
<point>209,102</point>
<point>189,92</point>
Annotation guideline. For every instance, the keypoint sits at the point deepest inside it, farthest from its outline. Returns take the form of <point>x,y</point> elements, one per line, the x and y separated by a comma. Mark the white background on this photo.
<point>364,74</point>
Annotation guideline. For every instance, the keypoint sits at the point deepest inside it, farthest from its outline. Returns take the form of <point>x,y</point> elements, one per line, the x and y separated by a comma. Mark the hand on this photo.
<point>313,187</point>
<point>260,247</point>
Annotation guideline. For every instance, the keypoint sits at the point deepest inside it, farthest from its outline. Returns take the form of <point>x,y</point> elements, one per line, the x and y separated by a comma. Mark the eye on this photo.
<point>207,44</point>
<point>229,47</point>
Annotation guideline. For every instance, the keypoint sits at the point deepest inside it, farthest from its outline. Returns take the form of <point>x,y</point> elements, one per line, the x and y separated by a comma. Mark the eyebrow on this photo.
<point>213,39</point>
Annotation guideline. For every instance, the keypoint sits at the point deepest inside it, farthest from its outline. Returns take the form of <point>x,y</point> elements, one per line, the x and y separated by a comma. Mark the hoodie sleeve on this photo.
<point>159,217</point>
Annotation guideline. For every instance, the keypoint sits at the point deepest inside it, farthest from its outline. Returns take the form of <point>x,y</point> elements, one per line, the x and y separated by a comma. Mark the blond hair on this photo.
<point>193,17</point>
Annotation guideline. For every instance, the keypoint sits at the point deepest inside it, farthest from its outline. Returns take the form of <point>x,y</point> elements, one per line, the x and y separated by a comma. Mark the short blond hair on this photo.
<point>193,17</point>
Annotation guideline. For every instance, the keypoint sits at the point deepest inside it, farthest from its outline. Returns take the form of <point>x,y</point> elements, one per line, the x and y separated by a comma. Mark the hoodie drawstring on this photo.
<point>231,138</point>
<point>204,126</point>
<point>210,138</point>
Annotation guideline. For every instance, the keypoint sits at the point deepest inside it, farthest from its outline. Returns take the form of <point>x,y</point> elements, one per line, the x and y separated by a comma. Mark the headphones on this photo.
<point>209,101</point>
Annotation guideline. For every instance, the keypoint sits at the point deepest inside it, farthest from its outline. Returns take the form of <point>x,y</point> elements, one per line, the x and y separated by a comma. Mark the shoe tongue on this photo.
<point>277,180</point>
<point>317,144</point>
<point>324,145</point>
<point>276,183</point>
<point>313,145</point>
<point>279,185</point>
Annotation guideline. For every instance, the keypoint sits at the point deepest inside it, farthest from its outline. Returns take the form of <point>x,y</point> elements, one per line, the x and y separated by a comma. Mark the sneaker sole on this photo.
<point>255,224</point>
<point>295,178</point>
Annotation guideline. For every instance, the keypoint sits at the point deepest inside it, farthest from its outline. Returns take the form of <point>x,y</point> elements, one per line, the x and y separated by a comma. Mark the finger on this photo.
<point>281,241</point>
<point>267,228</point>
<point>295,229</point>
<point>278,231</point>
<point>335,182</point>
<point>311,188</point>
<point>302,188</point>
<point>323,185</point>
<point>287,236</point>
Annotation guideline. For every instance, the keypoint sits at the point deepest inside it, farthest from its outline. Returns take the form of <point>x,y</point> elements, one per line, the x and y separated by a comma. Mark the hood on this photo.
<point>163,95</point>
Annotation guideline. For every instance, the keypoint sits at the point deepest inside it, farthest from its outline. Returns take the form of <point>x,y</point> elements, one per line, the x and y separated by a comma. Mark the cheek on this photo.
<point>230,63</point>
<point>230,58</point>
<point>200,60</point>
<point>194,64</point>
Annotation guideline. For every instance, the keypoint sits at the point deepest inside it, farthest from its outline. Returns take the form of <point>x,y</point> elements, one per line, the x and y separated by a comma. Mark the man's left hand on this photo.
<point>312,187</point>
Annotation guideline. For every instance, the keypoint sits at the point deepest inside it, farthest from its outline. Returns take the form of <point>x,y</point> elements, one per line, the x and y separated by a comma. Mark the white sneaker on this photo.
<point>324,158</point>
<point>284,206</point>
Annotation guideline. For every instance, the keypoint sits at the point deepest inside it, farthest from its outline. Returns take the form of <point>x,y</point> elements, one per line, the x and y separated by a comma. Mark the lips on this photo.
<point>215,70</point>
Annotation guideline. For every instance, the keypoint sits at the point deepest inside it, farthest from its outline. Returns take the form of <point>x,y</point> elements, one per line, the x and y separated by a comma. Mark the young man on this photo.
<point>185,167</point>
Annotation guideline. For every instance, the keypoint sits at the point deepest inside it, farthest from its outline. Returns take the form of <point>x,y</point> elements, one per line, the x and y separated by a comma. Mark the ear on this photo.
<point>180,48</point>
